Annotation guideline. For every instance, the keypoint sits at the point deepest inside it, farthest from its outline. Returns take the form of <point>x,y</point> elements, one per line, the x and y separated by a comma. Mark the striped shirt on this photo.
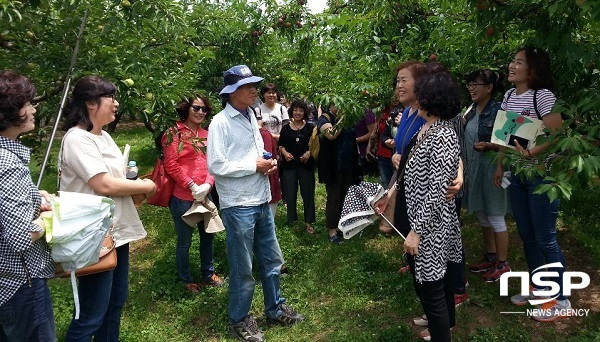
<point>523,103</point>
<point>20,257</point>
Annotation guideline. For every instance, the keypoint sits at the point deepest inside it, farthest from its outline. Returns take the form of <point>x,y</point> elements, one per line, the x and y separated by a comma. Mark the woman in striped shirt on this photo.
<point>535,214</point>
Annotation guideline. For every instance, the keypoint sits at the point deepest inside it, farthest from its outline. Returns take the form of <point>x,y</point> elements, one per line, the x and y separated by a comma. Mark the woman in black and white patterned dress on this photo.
<point>434,237</point>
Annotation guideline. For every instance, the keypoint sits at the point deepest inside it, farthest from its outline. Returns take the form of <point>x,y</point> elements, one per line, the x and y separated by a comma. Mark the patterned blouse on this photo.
<point>20,258</point>
<point>428,174</point>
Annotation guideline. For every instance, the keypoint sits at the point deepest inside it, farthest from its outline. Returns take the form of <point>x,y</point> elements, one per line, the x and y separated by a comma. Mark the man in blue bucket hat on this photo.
<point>238,161</point>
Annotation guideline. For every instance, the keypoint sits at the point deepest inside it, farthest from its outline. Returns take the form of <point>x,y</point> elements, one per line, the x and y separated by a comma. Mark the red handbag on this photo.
<point>164,185</point>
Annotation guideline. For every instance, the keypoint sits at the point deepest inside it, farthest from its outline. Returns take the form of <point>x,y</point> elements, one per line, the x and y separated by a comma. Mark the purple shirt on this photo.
<point>361,128</point>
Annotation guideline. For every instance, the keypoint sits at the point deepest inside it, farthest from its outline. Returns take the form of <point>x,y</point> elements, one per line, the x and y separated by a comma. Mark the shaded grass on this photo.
<point>351,292</point>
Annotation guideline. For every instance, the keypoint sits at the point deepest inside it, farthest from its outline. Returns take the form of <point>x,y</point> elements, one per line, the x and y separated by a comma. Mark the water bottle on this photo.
<point>267,155</point>
<point>132,170</point>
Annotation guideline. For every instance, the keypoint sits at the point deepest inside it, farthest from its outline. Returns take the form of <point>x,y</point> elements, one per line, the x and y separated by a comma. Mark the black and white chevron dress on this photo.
<point>429,172</point>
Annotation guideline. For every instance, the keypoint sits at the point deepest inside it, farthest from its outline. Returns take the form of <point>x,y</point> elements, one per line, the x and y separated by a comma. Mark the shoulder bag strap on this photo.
<point>412,152</point>
<point>535,107</point>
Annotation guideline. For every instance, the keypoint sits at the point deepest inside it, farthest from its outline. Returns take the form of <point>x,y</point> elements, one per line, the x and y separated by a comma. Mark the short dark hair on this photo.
<point>298,104</point>
<point>434,67</point>
<point>268,87</point>
<point>486,76</point>
<point>87,88</point>
<point>417,69</point>
<point>183,106</point>
<point>540,70</point>
<point>438,95</point>
<point>16,91</point>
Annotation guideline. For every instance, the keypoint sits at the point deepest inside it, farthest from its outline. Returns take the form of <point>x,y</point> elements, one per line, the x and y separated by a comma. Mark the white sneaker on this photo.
<point>552,311</point>
<point>520,299</point>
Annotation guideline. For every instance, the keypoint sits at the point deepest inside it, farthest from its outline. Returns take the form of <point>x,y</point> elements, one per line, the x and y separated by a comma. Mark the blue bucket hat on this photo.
<point>236,77</point>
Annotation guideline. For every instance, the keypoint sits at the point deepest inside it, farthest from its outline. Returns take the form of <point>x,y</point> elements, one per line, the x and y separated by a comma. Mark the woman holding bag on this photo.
<point>535,215</point>
<point>93,164</point>
<point>187,166</point>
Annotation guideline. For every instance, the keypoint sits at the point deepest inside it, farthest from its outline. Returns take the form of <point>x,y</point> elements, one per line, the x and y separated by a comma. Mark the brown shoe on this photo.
<point>192,287</point>
<point>214,280</point>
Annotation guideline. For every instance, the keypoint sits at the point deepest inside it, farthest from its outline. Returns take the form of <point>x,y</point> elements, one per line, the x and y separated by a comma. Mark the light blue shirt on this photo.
<point>234,144</point>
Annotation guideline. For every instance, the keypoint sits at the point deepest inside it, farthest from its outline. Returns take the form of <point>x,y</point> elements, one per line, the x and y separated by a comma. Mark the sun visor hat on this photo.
<point>236,77</point>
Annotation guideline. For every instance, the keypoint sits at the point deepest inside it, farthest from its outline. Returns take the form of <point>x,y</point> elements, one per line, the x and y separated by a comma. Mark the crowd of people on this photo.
<point>435,158</point>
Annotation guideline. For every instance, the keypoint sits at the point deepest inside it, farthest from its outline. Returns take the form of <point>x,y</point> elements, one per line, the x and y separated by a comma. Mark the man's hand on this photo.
<point>266,166</point>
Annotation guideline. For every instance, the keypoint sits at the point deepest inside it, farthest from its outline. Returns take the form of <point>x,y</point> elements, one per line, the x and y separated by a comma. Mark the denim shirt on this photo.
<point>486,120</point>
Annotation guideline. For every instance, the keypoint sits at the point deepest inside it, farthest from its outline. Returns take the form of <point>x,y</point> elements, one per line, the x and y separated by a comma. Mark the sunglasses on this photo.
<point>197,108</point>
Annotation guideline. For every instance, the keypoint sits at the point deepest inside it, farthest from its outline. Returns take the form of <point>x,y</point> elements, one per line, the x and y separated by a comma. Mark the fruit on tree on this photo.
<point>129,82</point>
<point>433,57</point>
<point>149,96</point>
<point>482,5</point>
<point>125,4</point>
<point>287,24</point>
<point>489,31</point>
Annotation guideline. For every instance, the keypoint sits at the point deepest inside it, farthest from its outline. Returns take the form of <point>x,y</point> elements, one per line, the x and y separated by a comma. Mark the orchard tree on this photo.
<point>157,51</point>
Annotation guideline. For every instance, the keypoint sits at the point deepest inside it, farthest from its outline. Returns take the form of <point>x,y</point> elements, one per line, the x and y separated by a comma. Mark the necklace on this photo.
<point>297,129</point>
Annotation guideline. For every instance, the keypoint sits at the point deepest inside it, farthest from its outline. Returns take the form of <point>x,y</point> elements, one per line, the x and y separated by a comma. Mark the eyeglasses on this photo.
<point>472,85</point>
<point>110,96</point>
<point>197,108</point>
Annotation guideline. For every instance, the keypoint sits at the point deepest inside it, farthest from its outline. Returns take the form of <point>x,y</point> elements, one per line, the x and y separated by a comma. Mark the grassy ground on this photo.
<point>351,292</point>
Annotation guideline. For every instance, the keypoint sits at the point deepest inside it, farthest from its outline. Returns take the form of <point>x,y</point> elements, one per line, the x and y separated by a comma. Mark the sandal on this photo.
<point>404,269</point>
<point>421,321</point>
<point>192,287</point>
<point>310,229</point>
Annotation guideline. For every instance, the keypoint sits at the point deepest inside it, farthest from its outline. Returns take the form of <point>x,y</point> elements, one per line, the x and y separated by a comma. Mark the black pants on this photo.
<point>336,192</point>
<point>437,300</point>
<point>290,179</point>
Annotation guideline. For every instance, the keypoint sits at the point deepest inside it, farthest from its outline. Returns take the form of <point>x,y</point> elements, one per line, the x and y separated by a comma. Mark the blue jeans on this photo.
<point>251,231</point>
<point>179,207</point>
<point>102,297</point>
<point>536,218</point>
<point>28,315</point>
